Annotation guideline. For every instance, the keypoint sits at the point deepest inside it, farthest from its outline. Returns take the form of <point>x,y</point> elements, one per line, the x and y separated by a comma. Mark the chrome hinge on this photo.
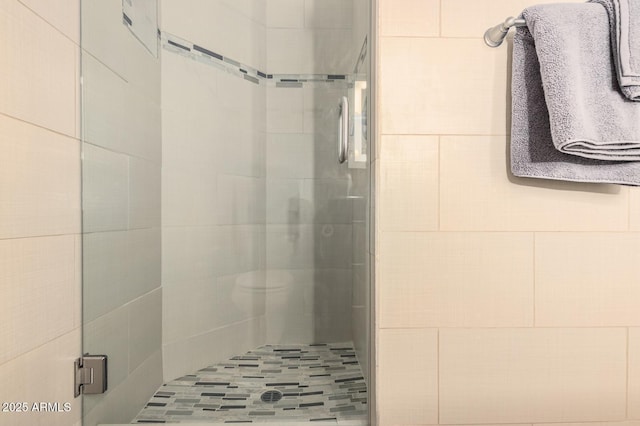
<point>90,374</point>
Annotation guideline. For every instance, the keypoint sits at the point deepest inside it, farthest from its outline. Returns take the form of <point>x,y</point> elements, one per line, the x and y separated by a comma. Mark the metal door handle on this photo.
<point>343,130</point>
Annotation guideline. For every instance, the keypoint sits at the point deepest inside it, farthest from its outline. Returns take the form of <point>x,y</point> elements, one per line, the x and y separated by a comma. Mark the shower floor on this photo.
<point>322,383</point>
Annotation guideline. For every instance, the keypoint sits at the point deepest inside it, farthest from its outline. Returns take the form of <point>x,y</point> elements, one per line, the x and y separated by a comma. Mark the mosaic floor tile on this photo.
<point>318,383</point>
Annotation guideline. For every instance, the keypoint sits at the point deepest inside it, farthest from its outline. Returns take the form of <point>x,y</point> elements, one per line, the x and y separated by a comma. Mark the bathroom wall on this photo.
<point>500,300</point>
<point>39,208</point>
<point>309,217</point>
<point>213,185</point>
<point>122,304</point>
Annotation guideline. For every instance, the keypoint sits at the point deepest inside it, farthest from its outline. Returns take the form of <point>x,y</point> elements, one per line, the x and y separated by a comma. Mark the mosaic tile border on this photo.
<point>175,44</point>
<point>318,383</point>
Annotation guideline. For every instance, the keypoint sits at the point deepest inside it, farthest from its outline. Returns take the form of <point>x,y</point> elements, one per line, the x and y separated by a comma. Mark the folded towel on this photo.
<point>565,99</point>
<point>624,25</point>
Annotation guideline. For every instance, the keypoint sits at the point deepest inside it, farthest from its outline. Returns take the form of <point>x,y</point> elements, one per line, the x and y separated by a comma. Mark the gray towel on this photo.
<point>564,90</point>
<point>624,24</point>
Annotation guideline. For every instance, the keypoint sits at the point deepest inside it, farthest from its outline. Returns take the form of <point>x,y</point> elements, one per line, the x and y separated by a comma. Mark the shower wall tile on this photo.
<point>108,334</point>
<point>255,10</point>
<point>123,403</point>
<point>532,375</point>
<point>314,307</point>
<point>188,198</point>
<point>306,201</point>
<point>203,136</point>
<point>597,284</point>
<point>321,111</point>
<point>412,18</point>
<point>285,13</point>
<point>234,35</point>
<point>22,380</point>
<point>425,98</point>
<point>38,79</point>
<point>463,18</point>
<point>478,193</point>
<point>285,113</point>
<point>449,279</point>
<point>190,253</point>
<point>241,248</point>
<point>144,194</point>
<point>185,356</point>
<point>118,267</point>
<point>309,51</point>
<point>415,378</point>
<point>105,190</point>
<point>35,272</point>
<point>39,181</point>
<point>634,209</point>
<point>241,200</point>
<point>291,156</point>
<point>189,87</point>
<point>309,246</point>
<point>633,396</point>
<point>145,328</point>
<point>332,14</point>
<point>119,117</point>
<point>410,183</point>
<point>62,14</point>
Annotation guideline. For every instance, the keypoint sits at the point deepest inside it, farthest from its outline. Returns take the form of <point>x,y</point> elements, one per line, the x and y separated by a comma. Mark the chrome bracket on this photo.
<point>90,375</point>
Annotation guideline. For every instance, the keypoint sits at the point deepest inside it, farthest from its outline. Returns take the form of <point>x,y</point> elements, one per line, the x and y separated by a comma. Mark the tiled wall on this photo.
<point>309,217</point>
<point>39,207</point>
<point>122,304</point>
<point>500,300</point>
<point>213,186</point>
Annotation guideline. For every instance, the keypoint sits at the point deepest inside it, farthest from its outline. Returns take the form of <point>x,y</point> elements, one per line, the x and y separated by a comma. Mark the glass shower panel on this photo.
<point>225,249</point>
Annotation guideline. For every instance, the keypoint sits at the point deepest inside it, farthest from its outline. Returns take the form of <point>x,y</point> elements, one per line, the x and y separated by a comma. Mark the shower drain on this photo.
<point>271,396</point>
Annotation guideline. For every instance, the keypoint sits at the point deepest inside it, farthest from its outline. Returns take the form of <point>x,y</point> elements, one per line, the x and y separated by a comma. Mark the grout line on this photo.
<point>439,183</point>
<point>534,277</point>
<point>626,401</point>
<point>440,20</point>
<point>438,373</point>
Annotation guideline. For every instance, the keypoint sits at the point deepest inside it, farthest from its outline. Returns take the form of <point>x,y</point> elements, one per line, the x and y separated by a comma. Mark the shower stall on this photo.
<point>226,209</point>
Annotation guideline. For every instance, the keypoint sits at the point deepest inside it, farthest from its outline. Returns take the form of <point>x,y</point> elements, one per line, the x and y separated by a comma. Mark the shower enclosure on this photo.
<point>226,249</point>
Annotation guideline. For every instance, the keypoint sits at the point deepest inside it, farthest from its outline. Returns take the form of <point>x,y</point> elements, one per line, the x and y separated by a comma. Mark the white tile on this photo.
<point>291,156</point>
<point>309,246</point>
<point>123,403</point>
<point>308,201</point>
<point>37,70</point>
<point>328,13</point>
<point>241,200</point>
<point>37,281</point>
<point>408,376</point>
<point>105,190</point>
<point>431,279</point>
<point>22,380</point>
<point>145,328</point>
<point>409,183</point>
<point>425,98</point>
<point>241,248</point>
<point>109,335</point>
<point>410,18</point>
<point>188,355</point>
<point>587,279</point>
<point>235,35</point>
<point>477,193</point>
<point>62,14</point>
<point>285,110</point>
<point>532,375</point>
<point>189,253</point>
<point>188,197</point>
<point>285,13</point>
<point>144,194</point>
<point>633,397</point>
<point>102,29</point>
<point>39,181</point>
<point>118,267</point>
